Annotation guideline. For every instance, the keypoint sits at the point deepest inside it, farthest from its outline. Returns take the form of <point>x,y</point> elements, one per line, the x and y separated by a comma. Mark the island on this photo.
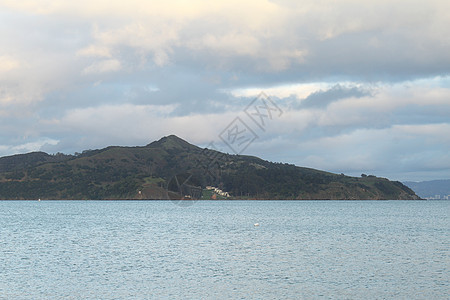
<point>172,168</point>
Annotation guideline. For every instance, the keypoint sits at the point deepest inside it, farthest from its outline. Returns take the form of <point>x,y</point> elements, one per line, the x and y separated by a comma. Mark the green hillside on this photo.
<point>172,167</point>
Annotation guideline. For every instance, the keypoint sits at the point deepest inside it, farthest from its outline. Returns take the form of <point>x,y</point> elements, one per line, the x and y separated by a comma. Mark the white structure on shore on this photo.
<point>218,191</point>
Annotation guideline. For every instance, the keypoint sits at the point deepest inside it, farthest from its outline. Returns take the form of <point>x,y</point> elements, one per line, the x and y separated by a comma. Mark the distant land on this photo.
<point>172,168</point>
<point>434,189</point>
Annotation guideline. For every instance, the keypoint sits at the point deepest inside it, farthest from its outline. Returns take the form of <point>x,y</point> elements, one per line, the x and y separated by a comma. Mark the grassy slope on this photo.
<point>121,172</point>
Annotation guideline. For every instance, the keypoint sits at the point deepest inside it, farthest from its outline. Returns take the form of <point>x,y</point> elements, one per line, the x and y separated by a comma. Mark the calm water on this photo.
<point>155,249</point>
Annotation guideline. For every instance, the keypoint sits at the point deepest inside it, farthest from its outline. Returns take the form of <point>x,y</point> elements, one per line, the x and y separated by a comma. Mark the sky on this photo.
<point>344,86</point>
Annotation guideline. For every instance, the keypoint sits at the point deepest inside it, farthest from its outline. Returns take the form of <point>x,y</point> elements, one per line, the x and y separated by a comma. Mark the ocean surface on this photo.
<point>213,250</point>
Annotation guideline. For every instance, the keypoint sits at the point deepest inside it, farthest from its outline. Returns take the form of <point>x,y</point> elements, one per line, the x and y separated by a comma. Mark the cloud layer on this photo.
<point>364,87</point>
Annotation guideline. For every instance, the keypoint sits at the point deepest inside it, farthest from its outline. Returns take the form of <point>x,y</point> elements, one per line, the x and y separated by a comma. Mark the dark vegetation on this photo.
<point>144,172</point>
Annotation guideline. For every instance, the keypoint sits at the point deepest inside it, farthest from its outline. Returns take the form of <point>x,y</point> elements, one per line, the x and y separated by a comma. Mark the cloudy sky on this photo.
<point>360,86</point>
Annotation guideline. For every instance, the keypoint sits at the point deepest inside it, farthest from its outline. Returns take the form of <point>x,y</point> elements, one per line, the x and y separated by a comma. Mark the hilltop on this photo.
<point>171,166</point>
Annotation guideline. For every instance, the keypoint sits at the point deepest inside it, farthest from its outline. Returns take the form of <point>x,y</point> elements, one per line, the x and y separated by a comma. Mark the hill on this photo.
<point>171,168</point>
<point>429,189</point>
<point>23,161</point>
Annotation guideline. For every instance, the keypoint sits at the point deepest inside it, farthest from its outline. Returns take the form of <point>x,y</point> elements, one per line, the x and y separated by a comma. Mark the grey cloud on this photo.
<point>398,158</point>
<point>322,99</point>
<point>205,55</point>
<point>421,114</point>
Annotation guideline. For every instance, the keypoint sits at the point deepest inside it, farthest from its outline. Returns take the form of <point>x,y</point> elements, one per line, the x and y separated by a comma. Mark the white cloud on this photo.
<point>431,133</point>
<point>27,147</point>
<point>397,148</point>
<point>270,36</point>
<point>103,66</point>
<point>96,51</point>
<point>125,120</point>
<point>55,54</point>
<point>298,90</point>
<point>7,64</point>
<point>229,44</point>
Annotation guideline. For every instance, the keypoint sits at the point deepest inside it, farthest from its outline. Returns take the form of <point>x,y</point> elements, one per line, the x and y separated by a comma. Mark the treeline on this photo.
<point>67,189</point>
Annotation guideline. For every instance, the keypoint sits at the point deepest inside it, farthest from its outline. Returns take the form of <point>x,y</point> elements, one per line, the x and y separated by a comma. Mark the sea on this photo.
<point>225,250</point>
